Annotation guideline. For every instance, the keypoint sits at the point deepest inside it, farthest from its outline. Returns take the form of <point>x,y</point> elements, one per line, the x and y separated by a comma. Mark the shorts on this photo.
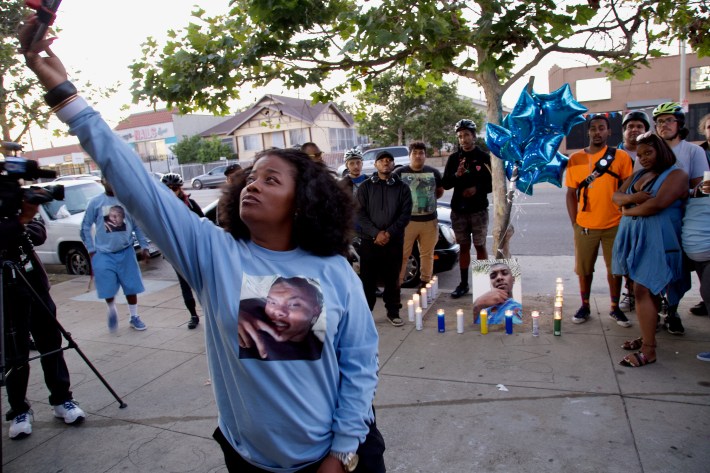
<point>473,224</point>
<point>112,270</point>
<point>586,248</point>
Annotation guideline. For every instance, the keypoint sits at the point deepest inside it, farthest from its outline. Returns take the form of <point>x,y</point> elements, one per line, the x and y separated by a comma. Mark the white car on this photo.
<point>400,153</point>
<point>76,177</point>
<point>62,220</point>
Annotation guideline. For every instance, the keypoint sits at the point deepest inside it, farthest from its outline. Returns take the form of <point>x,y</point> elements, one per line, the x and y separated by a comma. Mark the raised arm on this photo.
<point>168,222</point>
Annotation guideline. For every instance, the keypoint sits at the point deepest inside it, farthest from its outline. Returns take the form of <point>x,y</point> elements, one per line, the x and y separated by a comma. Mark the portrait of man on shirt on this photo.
<point>281,323</point>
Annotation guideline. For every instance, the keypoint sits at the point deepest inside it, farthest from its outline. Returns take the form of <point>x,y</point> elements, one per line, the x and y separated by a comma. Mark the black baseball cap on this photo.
<point>384,154</point>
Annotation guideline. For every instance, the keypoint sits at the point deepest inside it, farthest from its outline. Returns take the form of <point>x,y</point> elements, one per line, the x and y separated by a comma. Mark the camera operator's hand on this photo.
<point>28,212</point>
<point>49,70</point>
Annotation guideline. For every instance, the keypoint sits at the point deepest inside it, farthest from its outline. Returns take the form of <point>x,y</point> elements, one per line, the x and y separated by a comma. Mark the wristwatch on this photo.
<point>349,460</point>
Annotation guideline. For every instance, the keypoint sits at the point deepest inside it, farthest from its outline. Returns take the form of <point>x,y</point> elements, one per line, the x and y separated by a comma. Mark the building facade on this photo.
<point>283,122</point>
<point>152,134</point>
<point>649,86</point>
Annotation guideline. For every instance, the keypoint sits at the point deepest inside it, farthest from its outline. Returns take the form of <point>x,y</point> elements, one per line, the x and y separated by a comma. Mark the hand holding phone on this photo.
<point>46,13</point>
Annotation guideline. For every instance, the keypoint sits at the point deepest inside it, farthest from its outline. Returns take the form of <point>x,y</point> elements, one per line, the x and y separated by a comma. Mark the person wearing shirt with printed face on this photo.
<point>107,233</point>
<point>287,217</point>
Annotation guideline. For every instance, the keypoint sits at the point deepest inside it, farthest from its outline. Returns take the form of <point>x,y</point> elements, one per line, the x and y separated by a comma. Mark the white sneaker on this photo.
<point>70,412</point>
<point>21,426</point>
<point>627,303</point>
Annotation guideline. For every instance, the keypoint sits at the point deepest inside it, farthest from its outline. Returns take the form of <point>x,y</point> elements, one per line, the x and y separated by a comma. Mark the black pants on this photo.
<point>381,263</point>
<point>370,452</point>
<point>24,314</point>
<point>187,294</point>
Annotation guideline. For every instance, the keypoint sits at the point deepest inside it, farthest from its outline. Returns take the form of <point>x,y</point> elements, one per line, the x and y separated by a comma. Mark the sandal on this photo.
<point>633,345</point>
<point>639,358</point>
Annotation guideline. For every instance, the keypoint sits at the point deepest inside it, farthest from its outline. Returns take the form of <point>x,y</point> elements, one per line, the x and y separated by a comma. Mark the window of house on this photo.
<point>228,142</point>
<point>277,139</point>
<point>298,137</point>
<point>252,142</point>
<point>341,139</point>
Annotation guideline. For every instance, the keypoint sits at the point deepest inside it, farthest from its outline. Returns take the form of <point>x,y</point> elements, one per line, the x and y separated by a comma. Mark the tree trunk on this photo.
<point>502,203</point>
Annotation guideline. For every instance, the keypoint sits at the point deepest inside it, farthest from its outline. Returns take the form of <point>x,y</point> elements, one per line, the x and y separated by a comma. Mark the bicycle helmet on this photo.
<point>172,179</point>
<point>639,116</point>
<point>670,108</point>
<point>353,153</point>
<point>465,124</point>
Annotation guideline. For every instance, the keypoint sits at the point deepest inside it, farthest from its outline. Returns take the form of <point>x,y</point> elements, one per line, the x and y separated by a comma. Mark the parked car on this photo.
<point>62,219</point>
<point>158,176</point>
<point>74,177</point>
<point>400,153</point>
<point>213,178</point>
<point>446,252</point>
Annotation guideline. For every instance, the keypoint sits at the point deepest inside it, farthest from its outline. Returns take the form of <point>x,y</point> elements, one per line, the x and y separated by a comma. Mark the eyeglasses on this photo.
<point>666,121</point>
<point>317,155</point>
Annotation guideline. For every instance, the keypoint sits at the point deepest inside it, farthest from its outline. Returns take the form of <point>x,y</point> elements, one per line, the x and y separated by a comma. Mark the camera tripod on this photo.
<point>14,269</point>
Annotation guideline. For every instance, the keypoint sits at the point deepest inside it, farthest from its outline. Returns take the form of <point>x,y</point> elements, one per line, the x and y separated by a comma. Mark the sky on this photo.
<point>99,40</point>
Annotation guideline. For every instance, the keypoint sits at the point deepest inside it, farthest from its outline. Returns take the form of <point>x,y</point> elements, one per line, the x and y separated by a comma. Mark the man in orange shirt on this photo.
<point>593,175</point>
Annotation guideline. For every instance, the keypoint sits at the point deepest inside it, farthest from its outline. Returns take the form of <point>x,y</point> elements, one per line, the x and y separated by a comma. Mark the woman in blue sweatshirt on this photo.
<point>287,217</point>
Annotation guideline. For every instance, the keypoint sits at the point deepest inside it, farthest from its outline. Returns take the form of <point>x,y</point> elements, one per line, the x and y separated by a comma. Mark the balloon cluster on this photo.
<point>531,134</point>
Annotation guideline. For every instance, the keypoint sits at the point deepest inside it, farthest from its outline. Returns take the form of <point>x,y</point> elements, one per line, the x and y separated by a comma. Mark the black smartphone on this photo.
<point>46,13</point>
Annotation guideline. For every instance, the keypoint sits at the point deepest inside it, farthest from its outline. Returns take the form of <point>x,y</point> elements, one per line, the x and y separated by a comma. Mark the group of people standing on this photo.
<point>285,229</point>
<point>641,203</point>
<point>397,208</point>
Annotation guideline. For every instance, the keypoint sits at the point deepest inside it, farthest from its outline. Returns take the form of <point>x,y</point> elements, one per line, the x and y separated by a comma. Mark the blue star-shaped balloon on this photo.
<point>530,136</point>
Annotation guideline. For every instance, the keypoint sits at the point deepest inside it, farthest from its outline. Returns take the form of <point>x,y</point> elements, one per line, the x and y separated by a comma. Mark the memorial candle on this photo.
<point>557,322</point>
<point>509,322</point>
<point>535,323</point>
<point>459,320</point>
<point>441,320</point>
<point>484,321</point>
<point>410,310</point>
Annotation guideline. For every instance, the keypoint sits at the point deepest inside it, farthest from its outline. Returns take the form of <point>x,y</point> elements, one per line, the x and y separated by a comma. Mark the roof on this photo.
<point>49,152</point>
<point>137,120</point>
<point>300,109</point>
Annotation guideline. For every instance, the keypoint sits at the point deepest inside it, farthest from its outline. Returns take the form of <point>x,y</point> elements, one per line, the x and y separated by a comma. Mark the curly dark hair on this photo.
<point>665,157</point>
<point>323,224</point>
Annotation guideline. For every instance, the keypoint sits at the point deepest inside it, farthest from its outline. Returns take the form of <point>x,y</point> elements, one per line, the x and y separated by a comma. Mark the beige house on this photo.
<point>283,122</point>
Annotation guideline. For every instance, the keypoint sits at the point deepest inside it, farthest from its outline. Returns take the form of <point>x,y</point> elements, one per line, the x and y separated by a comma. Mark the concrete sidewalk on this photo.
<point>565,406</point>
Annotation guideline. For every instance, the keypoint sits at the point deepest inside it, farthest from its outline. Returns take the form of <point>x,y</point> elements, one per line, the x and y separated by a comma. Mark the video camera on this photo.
<point>11,192</point>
